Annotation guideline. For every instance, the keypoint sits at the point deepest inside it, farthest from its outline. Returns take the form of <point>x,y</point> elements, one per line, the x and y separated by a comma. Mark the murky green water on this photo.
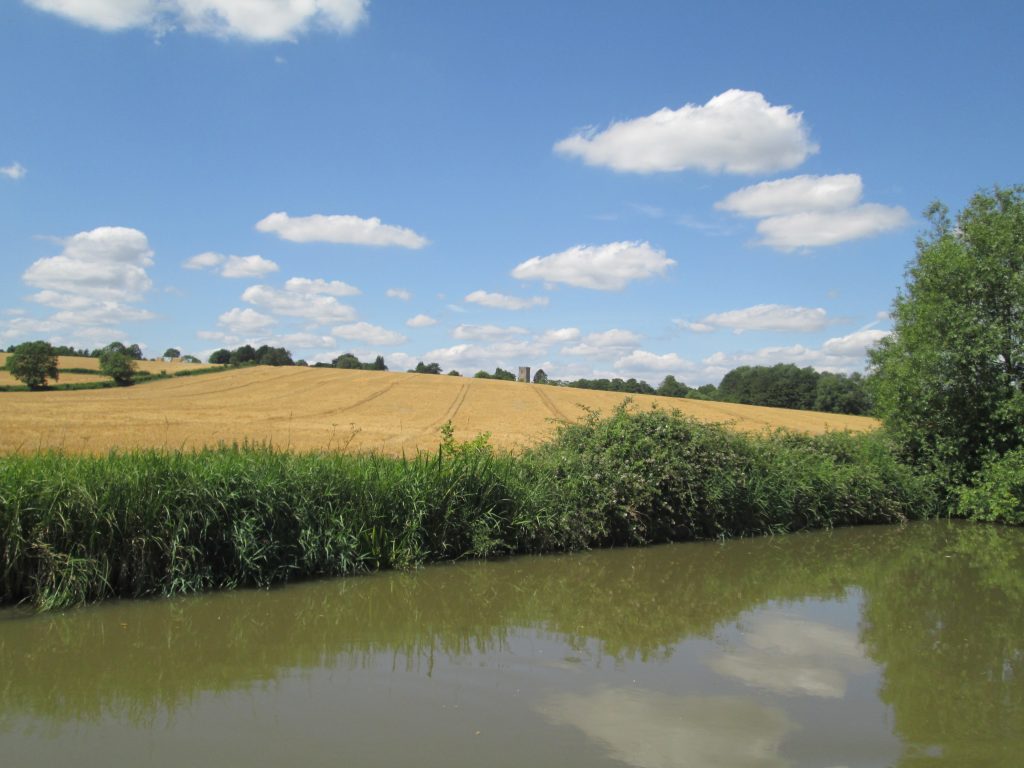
<point>864,647</point>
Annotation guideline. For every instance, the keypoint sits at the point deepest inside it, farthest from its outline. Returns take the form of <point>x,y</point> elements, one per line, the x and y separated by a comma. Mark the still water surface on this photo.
<point>861,647</point>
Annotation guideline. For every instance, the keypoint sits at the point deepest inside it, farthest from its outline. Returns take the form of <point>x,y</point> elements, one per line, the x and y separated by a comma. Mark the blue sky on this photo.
<point>595,188</point>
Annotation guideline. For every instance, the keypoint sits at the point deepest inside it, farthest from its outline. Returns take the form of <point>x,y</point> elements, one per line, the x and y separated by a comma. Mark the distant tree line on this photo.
<point>248,355</point>
<point>349,361</point>
<point>499,373</point>
<point>134,351</point>
<point>779,386</point>
<point>35,362</point>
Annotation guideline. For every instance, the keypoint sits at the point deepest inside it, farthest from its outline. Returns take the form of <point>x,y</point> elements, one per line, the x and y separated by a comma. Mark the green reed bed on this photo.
<point>78,528</point>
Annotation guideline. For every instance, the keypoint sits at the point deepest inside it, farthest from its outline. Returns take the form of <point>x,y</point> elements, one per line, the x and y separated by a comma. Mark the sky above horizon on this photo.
<point>595,189</point>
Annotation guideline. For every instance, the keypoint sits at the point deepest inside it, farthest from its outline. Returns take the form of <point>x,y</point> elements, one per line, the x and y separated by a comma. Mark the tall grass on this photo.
<point>79,528</point>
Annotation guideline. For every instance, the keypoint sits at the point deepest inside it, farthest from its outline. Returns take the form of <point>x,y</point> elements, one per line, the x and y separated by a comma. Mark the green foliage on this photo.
<point>540,377</point>
<point>244,354</point>
<point>948,380</point>
<point>33,363</point>
<point>267,355</point>
<point>134,351</point>
<point>780,386</point>
<point>220,357</point>
<point>630,386</point>
<point>432,368</point>
<point>349,361</point>
<point>997,493</point>
<point>172,353</point>
<point>119,366</point>
<point>190,359</point>
<point>839,393</point>
<point>499,373</point>
<point>669,387</point>
<point>81,528</point>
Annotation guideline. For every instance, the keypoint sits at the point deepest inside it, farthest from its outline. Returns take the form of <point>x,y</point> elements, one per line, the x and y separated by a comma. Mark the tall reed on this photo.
<point>81,528</point>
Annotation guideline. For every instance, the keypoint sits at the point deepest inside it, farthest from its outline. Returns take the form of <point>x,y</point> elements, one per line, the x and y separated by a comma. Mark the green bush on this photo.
<point>997,494</point>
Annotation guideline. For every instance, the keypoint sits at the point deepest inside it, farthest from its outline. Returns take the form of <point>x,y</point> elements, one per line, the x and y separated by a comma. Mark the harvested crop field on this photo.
<point>92,364</point>
<point>320,408</point>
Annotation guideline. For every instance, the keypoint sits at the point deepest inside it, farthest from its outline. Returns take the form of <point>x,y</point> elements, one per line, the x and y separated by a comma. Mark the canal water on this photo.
<point>873,646</point>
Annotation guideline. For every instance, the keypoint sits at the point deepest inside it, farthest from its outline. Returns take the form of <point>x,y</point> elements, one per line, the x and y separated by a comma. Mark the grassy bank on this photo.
<point>80,528</point>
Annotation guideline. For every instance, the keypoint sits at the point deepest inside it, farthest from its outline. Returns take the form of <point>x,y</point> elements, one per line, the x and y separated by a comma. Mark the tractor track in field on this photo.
<point>453,408</point>
<point>549,404</point>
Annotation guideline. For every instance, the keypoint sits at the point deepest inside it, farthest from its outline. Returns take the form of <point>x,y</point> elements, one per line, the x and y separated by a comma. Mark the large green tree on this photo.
<point>118,365</point>
<point>947,381</point>
<point>33,363</point>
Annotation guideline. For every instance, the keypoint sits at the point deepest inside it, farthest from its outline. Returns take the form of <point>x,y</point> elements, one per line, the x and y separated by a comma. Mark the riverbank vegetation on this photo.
<point>948,382</point>
<point>81,528</point>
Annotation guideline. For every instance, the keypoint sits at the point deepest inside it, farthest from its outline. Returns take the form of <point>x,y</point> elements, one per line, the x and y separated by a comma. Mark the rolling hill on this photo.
<point>328,409</point>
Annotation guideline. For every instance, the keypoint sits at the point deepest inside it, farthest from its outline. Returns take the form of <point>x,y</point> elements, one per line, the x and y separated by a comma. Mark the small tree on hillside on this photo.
<point>120,366</point>
<point>33,363</point>
<point>172,353</point>
<point>540,377</point>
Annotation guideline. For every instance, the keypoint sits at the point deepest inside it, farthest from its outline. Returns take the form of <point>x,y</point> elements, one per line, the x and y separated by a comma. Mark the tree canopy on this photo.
<point>33,363</point>
<point>948,380</point>
<point>119,365</point>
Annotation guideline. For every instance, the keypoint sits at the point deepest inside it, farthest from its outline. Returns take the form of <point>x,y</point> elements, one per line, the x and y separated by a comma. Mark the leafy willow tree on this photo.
<point>948,380</point>
<point>33,363</point>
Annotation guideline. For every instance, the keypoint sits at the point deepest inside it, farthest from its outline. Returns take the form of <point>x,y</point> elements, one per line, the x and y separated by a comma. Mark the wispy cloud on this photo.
<point>14,171</point>
<point>261,21</point>
<point>502,301</point>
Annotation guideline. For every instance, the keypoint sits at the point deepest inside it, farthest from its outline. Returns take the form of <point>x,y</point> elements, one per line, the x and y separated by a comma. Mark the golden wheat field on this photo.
<point>93,364</point>
<point>323,408</point>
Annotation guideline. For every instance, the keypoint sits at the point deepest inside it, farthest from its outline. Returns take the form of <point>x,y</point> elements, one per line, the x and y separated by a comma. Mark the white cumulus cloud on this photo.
<point>106,263</point>
<point>642,360</point>
<point>352,230</point>
<point>368,334</point>
<point>608,267</point>
<point>501,301</point>
<point>795,195</point>
<point>317,308</point>
<point>817,228</point>
<point>243,321</point>
<point>14,171</point>
<point>612,342</point>
<point>736,132</point>
<point>205,260</point>
<point>558,336</point>
<point>812,211</point>
<point>398,293</point>
<point>248,266</point>
<point>420,321</point>
<point>854,344</point>
<point>231,266</point>
<point>768,317</point>
<point>256,20</point>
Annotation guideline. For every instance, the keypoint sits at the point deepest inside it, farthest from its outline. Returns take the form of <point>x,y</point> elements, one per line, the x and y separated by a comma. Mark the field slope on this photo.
<point>320,408</point>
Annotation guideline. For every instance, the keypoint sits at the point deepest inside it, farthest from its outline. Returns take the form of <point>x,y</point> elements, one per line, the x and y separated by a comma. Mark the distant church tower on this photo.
<point>524,373</point>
